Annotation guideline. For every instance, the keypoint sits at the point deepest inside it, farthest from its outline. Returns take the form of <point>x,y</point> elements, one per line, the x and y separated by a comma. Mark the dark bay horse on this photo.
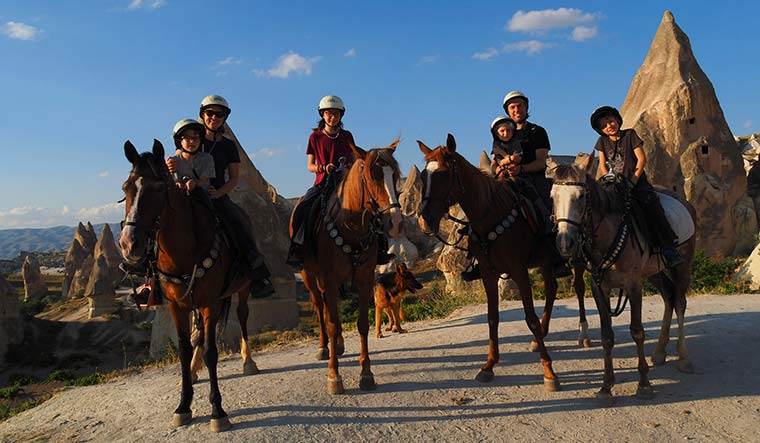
<point>592,223</point>
<point>501,238</point>
<point>193,259</point>
<point>345,249</point>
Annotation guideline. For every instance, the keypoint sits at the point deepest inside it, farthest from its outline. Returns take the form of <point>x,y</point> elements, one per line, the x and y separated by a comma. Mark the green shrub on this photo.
<point>21,379</point>
<point>89,380</point>
<point>710,275</point>
<point>9,393</point>
<point>59,375</point>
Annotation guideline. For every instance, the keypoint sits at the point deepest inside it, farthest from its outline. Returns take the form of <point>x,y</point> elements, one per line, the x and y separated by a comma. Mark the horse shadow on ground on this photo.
<point>723,366</point>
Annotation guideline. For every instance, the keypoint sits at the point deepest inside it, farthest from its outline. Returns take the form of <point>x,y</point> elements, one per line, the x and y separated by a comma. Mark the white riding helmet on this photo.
<point>331,102</point>
<point>218,100</point>
<point>500,120</point>
<point>183,124</point>
<point>511,95</point>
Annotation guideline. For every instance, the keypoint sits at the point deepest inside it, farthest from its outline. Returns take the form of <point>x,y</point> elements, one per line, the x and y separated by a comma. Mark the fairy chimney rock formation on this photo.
<point>34,287</point>
<point>81,277</point>
<point>106,246</point>
<point>99,290</point>
<point>11,329</point>
<point>673,107</point>
<point>411,193</point>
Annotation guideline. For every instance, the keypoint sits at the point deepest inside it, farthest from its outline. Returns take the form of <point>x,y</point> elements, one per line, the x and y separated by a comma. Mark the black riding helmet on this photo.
<point>605,111</point>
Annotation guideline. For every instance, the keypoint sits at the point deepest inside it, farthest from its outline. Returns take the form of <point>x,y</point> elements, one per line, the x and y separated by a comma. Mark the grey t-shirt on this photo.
<point>201,165</point>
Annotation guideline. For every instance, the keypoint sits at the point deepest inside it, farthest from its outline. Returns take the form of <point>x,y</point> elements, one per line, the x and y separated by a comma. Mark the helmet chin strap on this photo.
<point>188,152</point>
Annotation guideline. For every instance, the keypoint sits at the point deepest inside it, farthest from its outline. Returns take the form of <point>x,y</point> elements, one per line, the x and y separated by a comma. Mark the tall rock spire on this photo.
<point>673,107</point>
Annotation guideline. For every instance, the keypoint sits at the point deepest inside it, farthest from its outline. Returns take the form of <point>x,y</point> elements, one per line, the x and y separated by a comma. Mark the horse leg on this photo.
<point>366,380</point>
<point>334,331</point>
<point>378,322</point>
<point>550,289</point>
<point>580,291</point>
<point>317,302</point>
<point>604,396</point>
<point>183,415</point>
<point>219,420</point>
<point>491,285</point>
<point>249,366</point>
<point>682,280</point>
<point>551,382</point>
<point>644,390</point>
<point>667,292</point>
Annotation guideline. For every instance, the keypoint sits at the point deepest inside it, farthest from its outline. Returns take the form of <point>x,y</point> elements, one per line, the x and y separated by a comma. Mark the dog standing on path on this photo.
<point>389,288</point>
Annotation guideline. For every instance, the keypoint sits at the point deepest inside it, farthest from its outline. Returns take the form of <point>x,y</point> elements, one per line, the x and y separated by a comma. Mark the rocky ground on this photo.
<point>427,392</point>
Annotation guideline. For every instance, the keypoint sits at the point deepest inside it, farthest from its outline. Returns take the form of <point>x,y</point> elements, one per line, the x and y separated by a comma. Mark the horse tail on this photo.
<point>224,315</point>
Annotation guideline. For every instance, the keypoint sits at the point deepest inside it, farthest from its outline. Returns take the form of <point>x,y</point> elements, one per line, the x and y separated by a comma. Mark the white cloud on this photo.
<point>350,53</point>
<point>140,4</point>
<point>29,216</point>
<point>228,61</point>
<point>530,47</point>
<point>103,174</point>
<point>491,52</point>
<point>583,33</point>
<point>545,19</point>
<point>20,31</point>
<point>221,73</point>
<point>290,63</point>
<point>100,214</point>
<point>428,59</point>
<point>267,153</point>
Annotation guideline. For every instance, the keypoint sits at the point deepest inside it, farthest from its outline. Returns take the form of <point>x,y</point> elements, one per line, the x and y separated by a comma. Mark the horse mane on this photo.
<point>490,190</point>
<point>603,196</point>
<point>349,190</point>
<point>148,166</point>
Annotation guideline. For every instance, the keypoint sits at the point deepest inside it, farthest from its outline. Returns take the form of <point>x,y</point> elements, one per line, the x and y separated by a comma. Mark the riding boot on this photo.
<point>664,234</point>
<point>296,252</point>
<point>472,272</point>
<point>383,256</point>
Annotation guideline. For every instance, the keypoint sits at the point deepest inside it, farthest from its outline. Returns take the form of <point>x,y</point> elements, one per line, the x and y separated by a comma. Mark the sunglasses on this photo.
<point>217,114</point>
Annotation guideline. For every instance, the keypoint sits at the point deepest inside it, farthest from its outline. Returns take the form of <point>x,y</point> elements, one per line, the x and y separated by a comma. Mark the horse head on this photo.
<point>439,178</point>
<point>380,174</point>
<point>146,196</point>
<point>570,197</point>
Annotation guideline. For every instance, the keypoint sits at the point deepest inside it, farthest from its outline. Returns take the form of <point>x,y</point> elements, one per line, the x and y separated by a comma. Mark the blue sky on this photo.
<point>80,78</point>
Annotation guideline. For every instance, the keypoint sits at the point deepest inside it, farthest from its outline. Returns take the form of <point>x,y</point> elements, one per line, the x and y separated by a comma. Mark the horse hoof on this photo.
<point>484,376</point>
<point>645,393</point>
<point>402,331</point>
<point>533,347</point>
<point>323,354</point>
<point>335,386</point>
<point>250,369</point>
<point>388,328</point>
<point>193,377</point>
<point>367,383</point>
<point>586,343</point>
<point>658,359</point>
<point>182,419</point>
<point>341,348</point>
<point>604,399</point>
<point>220,424</point>
<point>551,385</point>
<point>685,366</point>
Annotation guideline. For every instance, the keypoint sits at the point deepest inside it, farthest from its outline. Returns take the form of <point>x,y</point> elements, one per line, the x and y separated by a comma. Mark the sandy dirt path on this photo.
<point>427,392</point>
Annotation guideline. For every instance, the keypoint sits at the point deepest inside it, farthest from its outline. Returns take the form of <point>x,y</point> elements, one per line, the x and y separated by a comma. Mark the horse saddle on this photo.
<point>678,216</point>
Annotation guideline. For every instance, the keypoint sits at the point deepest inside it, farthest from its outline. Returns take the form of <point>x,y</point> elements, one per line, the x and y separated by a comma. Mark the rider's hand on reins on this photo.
<point>171,164</point>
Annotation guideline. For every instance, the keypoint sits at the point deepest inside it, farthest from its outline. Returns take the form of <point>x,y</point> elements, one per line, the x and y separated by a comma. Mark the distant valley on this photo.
<point>13,241</point>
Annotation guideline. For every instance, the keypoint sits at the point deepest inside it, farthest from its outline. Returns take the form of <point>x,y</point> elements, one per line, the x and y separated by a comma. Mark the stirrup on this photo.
<point>472,272</point>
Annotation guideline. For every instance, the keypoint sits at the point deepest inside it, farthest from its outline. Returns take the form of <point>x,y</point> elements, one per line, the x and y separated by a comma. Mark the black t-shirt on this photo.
<point>224,152</point>
<point>620,154</point>
<point>532,137</point>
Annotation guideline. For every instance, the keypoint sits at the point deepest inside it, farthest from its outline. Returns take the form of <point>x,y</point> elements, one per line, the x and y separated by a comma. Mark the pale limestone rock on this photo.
<point>106,246</point>
<point>74,258</point>
<point>674,109</point>
<point>11,328</point>
<point>34,287</point>
<point>81,277</point>
<point>99,290</point>
<point>749,272</point>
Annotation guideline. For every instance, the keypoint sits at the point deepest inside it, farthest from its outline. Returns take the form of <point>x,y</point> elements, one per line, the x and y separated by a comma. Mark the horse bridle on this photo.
<point>586,207</point>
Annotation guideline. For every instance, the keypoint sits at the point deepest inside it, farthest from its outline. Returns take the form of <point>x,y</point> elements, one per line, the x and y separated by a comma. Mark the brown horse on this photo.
<point>193,260</point>
<point>501,238</point>
<point>344,249</point>
<point>594,223</point>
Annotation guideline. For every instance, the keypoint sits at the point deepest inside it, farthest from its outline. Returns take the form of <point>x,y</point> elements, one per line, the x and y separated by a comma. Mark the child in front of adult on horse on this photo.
<point>193,168</point>
<point>621,152</point>
<point>505,150</point>
<point>329,145</point>
<point>214,111</point>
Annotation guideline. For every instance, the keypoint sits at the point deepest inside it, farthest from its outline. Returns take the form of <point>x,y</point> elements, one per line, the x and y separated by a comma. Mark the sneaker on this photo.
<point>472,273</point>
<point>671,256</point>
<point>142,296</point>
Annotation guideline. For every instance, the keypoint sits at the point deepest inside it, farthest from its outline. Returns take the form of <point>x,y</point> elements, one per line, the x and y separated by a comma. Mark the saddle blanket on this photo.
<point>678,217</point>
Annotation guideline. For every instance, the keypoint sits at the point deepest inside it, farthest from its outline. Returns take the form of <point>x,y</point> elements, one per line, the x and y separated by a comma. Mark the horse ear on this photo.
<point>158,149</point>
<point>425,150</point>
<point>359,152</point>
<point>451,144</point>
<point>586,164</point>
<point>394,145</point>
<point>130,152</point>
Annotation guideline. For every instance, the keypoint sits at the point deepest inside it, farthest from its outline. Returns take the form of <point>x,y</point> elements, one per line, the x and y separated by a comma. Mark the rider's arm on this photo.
<point>641,161</point>
<point>233,171</point>
<point>311,164</point>
<point>539,164</point>
<point>603,163</point>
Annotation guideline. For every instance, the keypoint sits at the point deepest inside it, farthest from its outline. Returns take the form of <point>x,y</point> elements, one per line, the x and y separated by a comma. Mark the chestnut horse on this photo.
<point>344,248</point>
<point>501,238</point>
<point>193,260</point>
<point>593,223</point>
